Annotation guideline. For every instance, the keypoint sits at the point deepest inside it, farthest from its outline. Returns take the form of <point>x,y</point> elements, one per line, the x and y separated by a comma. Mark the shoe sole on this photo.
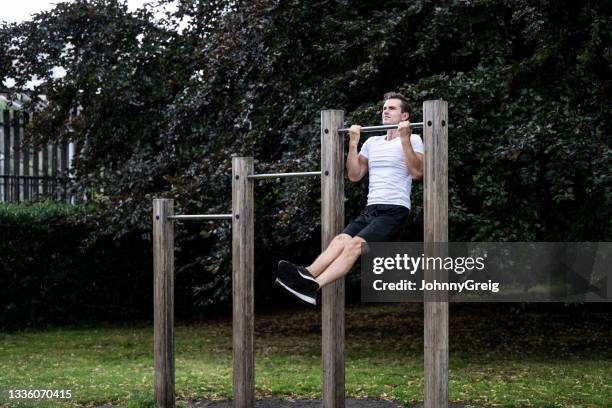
<point>307,299</point>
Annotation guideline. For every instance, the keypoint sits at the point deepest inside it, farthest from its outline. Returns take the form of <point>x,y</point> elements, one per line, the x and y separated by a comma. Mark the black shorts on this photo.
<point>378,222</point>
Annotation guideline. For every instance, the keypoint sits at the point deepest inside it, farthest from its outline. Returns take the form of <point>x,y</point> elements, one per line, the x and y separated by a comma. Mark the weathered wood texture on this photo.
<point>242,282</point>
<point>435,197</point>
<point>332,223</point>
<point>163,319</point>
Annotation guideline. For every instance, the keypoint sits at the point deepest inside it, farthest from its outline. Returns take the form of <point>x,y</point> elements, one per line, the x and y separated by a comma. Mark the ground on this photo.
<point>279,403</point>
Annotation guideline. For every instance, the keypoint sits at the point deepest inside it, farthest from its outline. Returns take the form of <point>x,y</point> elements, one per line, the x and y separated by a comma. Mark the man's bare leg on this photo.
<point>343,263</point>
<point>331,253</point>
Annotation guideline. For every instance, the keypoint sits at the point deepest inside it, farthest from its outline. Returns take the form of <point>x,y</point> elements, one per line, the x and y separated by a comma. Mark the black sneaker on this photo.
<point>286,270</point>
<point>300,284</point>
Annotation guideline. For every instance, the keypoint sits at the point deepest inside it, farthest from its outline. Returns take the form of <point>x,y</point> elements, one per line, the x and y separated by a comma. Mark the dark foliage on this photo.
<point>161,112</point>
<point>52,273</point>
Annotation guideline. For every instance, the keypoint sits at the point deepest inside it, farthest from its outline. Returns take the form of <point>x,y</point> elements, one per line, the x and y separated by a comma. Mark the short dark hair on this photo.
<point>397,95</point>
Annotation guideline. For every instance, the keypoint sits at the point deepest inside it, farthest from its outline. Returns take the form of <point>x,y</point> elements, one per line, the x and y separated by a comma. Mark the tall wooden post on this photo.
<point>163,313</point>
<point>435,197</point>
<point>242,282</point>
<point>332,222</point>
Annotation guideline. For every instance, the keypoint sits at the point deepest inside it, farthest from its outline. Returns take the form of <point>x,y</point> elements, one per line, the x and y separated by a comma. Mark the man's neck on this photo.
<point>392,134</point>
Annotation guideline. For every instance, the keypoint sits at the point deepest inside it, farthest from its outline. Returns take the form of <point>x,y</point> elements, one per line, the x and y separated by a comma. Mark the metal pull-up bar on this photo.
<point>200,217</point>
<point>367,129</point>
<point>275,175</point>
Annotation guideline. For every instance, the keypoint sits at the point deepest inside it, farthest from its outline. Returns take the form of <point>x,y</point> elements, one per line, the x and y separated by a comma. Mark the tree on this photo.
<point>161,111</point>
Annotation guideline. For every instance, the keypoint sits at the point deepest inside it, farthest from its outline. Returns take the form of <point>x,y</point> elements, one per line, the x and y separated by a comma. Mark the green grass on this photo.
<point>495,359</point>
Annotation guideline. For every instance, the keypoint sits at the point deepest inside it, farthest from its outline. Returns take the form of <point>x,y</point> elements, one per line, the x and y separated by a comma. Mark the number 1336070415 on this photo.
<point>24,394</point>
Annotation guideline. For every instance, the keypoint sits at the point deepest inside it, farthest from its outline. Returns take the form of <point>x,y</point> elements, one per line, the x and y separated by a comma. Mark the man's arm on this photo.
<point>414,160</point>
<point>356,164</point>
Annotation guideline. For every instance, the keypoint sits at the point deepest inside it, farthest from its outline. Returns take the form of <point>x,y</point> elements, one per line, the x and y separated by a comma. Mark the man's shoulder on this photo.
<point>417,143</point>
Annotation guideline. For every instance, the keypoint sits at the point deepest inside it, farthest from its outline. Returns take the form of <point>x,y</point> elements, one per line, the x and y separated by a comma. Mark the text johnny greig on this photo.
<point>410,265</point>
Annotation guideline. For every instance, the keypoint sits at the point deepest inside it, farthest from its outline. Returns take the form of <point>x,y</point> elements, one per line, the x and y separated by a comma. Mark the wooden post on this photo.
<point>163,321</point>
<point>435,206</point>
<point>242,282</point>
<point>332,223</point>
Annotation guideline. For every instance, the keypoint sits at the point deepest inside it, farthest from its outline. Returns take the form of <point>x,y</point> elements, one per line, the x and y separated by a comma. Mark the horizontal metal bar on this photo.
<point>275,175</point>
<point>201,217</point>
<point>379,128</point>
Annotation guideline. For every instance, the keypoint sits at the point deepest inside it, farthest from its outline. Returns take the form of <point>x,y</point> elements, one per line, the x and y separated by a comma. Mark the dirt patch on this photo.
<point>280,403</point>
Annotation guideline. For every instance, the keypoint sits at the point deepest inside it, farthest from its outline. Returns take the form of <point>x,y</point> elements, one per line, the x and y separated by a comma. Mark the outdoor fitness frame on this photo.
<point>435,205</point>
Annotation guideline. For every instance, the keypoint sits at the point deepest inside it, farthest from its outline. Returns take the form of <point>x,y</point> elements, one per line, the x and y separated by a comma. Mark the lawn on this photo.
<point>497,358</point>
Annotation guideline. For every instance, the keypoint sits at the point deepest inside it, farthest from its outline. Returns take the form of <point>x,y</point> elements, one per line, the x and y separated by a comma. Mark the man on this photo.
<point>393,161</point>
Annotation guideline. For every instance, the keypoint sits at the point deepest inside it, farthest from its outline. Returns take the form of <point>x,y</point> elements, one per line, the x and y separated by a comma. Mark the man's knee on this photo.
<point>342,237</point>
<point>353,246</point>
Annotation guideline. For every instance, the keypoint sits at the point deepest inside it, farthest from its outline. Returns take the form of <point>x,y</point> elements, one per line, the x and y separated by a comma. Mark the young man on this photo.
<point>393,161</point>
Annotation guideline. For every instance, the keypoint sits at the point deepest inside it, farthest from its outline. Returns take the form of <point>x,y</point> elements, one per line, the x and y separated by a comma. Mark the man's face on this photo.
<point>392,112</point>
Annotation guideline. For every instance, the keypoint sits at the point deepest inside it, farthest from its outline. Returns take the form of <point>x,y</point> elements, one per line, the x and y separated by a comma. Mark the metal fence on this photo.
<point>27,174</point>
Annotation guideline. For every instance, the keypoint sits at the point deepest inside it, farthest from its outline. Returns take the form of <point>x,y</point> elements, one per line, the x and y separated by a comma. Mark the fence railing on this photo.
<point>24,188</point>
<point>26,174</point>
